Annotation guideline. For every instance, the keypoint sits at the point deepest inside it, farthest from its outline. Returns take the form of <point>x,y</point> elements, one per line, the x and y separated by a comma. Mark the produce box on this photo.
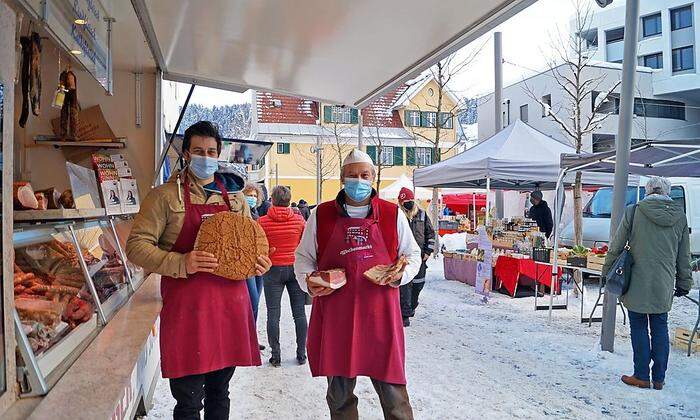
<point>595,261</point>
<point>541,254</point>
<point>577,261</point>
<point>682,338</point>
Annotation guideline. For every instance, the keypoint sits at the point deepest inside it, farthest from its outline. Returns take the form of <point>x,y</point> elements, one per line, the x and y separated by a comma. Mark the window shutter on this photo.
<point>432,155</point>
<point>372,152</point>
<point>287,148</point>
<point>353,116</point>
<point>410,156</point>
<point>327,114</point>
<point>424,119</point>
<point>398,156</point>
<point>407,118</point>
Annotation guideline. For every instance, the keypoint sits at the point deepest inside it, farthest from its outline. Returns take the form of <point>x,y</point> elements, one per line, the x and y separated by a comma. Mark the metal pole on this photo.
<point>474,210</point>
<point>622,157</point>
<point>360,140</point>
<point>558,196</point>
<point>319,195</point>
<point>164,155</point>
<point>487,219</point>
<point>277,174</point>
<point>498,102</point>
<point>88,279</point>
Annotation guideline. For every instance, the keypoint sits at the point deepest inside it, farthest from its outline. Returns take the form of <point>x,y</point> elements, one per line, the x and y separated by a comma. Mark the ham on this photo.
<point>66,199</point>
<point>42,200</point>
<point>24,197</point>
<point>52,198</point>
<point>334,279</point>
<point>381,274</point>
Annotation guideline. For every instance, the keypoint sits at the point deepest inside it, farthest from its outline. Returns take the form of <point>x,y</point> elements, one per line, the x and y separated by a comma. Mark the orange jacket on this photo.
<point>283,228</point>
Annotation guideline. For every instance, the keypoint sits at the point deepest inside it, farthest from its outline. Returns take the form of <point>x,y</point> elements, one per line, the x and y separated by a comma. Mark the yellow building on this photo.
<point>399,132</point>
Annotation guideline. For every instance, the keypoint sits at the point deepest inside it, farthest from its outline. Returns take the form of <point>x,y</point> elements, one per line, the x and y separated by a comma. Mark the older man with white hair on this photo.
<point>656,230</point>
<point>357,330</point>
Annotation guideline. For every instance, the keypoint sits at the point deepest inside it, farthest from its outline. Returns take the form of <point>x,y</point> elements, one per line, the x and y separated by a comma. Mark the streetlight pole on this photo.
<point>622,157</point>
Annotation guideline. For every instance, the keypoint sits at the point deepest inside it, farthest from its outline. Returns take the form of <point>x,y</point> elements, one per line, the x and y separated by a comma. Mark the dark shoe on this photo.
<point>301,360</point>
<point>275,361</point>
<point>262,347</point>
<point>633,381</point>
<point>406,322</point>
<point>658,385</point>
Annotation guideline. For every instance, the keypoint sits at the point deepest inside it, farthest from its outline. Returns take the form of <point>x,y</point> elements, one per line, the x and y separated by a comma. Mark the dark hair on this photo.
<point>537,195</point>
<point>281,196</point>
<point>202,129</point>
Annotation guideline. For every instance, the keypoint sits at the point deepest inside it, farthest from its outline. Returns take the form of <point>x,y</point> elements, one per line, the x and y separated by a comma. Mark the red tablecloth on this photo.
<point>510,272</point>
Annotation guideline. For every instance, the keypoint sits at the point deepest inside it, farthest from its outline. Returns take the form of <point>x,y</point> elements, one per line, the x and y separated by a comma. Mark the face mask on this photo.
<point>357,189</point>
<point>408,205</point>
<point>203,167</point>
<point>252,201</point>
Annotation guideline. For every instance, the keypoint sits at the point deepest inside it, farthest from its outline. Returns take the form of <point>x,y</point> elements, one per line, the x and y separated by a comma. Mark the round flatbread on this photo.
<point>235,240</point>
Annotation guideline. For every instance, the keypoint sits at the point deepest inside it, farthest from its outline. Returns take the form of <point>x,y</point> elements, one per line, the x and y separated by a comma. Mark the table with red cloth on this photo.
<point>512,271</point>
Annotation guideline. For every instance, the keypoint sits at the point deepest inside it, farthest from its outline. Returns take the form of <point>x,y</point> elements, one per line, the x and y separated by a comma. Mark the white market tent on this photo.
<point>390,192</point>
<point>518,157</point>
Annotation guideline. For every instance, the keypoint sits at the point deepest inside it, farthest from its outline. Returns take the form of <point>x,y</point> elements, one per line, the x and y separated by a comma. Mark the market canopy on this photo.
<point>672,158</point>
<point>345,52</point>
<point>391,191</point>
<point>516,158</point>
<point>461,202</point>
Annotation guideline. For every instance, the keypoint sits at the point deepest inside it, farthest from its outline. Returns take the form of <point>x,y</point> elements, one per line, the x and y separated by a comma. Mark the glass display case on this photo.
<point>70,278</point>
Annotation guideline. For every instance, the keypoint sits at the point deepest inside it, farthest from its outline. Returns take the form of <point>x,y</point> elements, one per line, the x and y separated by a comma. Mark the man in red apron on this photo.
<point>357,330</point>
<point>206,324</point>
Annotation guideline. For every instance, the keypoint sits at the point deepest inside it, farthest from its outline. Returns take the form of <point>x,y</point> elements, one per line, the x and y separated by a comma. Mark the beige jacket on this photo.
<point>158,224</point>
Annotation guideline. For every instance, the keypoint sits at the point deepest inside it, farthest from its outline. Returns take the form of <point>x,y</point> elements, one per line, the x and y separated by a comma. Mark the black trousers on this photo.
<point>409,298</point>
<point>342,401</point>
<point>276,280</point>
<point>212,388</point>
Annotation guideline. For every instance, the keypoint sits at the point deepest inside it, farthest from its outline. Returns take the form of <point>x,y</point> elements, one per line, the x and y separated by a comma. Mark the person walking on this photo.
<point>304,209</point>
<point>424,234</point>
<point>657,231</point>
<point>206,322</point>
<point>540,213</point>
<point>357,330</point>
<point>253,196</point>
<point>283,228</point>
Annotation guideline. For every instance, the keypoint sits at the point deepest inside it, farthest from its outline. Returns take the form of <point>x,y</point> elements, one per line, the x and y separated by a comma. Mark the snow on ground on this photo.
<point>468,359</point>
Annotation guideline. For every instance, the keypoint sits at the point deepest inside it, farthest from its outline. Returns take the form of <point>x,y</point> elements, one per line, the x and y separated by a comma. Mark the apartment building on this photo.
<point>396,129</point>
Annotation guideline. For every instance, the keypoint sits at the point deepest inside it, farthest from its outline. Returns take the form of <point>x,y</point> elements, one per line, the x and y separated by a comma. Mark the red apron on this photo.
<point>206,323</point>
<point>357,330</point>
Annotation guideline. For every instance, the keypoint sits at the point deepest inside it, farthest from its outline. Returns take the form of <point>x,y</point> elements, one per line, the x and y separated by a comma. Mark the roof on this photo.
<point>417,85</point>
<point>280,129</point>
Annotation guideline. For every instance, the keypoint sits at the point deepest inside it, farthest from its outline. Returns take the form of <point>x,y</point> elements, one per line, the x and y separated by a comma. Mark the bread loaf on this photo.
<point>235,240</point>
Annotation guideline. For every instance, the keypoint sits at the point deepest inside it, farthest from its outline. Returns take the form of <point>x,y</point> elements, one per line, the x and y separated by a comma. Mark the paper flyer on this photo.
<point>483,265</point>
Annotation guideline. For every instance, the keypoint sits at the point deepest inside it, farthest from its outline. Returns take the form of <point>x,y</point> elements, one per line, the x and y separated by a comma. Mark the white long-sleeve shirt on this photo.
<point>305,254</point>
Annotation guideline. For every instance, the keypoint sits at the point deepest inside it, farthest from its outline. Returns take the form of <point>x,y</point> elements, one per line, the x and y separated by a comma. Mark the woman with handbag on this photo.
<point>654,234</point>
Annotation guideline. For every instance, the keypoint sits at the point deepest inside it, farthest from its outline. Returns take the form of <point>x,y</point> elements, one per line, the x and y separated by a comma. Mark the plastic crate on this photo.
<point>542,254</point>
<point>577,261</point>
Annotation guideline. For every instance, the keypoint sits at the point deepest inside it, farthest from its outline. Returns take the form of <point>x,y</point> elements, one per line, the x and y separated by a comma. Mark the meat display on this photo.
<point>235,240</point>
<point>71,107</point>
<point>77,311</point>
<point>66,199</point>
<point>52,197</point>
<point>382,274</point>
<point>30,73</point>
<point>334,279</point>
<point>23,196</point>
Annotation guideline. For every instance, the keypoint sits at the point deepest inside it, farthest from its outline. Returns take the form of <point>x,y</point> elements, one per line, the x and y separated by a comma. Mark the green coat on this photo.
<point>660,247</point>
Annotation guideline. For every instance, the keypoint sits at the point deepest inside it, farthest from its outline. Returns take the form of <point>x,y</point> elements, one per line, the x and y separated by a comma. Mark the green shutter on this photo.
<point>398,156</point>
<point>353,116</point>
<point>432,155</point>
<point>287,148</point>
<point>424,119</point>
<point>407,118</point>
<point>327,113</point>
<point>410,156</point>
<point>372,152</point>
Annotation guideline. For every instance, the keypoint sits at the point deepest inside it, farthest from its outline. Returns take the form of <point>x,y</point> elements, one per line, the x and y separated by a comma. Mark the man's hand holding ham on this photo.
<point>316,289</point>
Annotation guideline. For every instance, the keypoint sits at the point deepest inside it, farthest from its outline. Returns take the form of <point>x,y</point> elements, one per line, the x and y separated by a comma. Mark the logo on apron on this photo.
<point>356,235</point>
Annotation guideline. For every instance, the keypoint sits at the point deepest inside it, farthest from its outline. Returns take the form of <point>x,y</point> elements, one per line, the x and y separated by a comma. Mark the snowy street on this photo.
<point>466,359</point>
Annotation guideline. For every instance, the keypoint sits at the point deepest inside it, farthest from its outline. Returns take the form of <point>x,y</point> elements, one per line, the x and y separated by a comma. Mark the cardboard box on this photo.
<point>92,126</point>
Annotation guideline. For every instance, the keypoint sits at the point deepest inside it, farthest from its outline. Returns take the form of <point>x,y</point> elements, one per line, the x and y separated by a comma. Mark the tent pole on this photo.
<point>555,267</point>
<point>488,200</point>
<point>164,155</point>
<point>473,210</point>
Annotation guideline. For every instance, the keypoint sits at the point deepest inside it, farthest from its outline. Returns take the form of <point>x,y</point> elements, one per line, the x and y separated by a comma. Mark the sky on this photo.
<point>527,40</point>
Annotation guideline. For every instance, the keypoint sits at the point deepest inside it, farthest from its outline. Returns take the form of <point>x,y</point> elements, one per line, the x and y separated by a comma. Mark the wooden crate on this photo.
<point>682,338</point>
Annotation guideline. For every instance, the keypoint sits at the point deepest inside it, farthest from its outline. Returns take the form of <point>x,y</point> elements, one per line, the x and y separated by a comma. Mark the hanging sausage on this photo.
<point>30,74</point>
<point>70,108</point>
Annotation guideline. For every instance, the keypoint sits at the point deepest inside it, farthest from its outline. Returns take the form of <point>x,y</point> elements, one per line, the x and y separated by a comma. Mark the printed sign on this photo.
<point>483,265</point>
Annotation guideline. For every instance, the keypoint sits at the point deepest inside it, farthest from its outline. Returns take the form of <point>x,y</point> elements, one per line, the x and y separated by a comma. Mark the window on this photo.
<point>678,196</point>
<point>424,156</point>
<point>610,104</point>
<point>683,58</point>
<point>603,142</point>
<point>590,37</point>
<point>282,148</point>
<point>386,156</point>
<point>656,108</point>
<point>651,25</point>
<point>339,114</point>
<point>546,104</point>
<point>681,18</point>
<point>655,61</point>
<point>412,118</point>
<point>523,113</point>
<point>446,120</point>
<point>428,119</point>
<point>614,35</point>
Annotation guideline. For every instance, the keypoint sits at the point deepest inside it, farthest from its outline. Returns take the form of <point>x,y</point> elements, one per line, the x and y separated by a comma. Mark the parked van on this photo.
<point>596,213</point>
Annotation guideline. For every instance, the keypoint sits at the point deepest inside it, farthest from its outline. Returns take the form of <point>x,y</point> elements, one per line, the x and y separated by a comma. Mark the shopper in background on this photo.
<point>295,208</point>
<point>206,322</point>
<point>657,231</point>
<point>253,196</point>
<point>424,234</point>
<point>265,204</point>
<point>304,209</point>
<point>540,213</point>
<point>283,228</point>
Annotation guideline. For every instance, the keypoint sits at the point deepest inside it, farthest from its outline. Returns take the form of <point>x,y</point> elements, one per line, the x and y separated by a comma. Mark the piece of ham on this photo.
<point>23,196</point>
<point>334,279</point>
<point>382,274</point>
<point>52,197</point>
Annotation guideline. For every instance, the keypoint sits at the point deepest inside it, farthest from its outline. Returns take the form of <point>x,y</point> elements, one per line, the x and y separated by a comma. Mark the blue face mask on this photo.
<point>357,189</point>
<point>252,201</point>
<point>203,167</point>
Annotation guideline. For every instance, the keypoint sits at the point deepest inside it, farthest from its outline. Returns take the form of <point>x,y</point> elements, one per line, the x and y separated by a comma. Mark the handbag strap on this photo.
<point>631,230</point>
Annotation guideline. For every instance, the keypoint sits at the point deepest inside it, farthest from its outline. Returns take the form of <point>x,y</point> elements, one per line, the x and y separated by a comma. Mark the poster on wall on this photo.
<point>483,265</point>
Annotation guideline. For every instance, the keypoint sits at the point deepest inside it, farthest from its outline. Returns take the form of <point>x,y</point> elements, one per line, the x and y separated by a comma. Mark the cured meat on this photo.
<point>77,311</point>
<point>23,196</point>
<point>235,240</point>
<point>52,198</point>
<point>26,44</point>
<point>43,311</point>
<point>382,274</point>
<point>42,200</point>
<point>334,279</point>
<point>66,199</point>
<point>71,107</point>
<point>35,73</point>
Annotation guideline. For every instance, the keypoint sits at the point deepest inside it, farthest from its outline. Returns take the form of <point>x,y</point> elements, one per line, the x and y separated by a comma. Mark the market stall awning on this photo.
<point>461,202</point>
<point>391,191</point>
<point>672,158</point>
<point>345,52</point>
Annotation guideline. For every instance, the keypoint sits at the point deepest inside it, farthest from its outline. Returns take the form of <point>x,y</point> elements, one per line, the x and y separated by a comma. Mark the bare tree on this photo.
<point>376,140</point>
<point>306,161</point>
<point>568,69</point>
<point>340,143</point>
